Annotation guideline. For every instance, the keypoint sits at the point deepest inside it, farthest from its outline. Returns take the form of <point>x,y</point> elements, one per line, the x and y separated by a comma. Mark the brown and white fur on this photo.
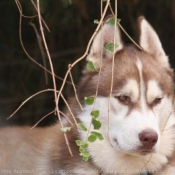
<point>138,130</point>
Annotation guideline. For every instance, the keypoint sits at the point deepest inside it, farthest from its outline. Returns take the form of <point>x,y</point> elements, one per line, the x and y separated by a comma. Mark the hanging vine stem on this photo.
<point>112,75</point>
<point>53,77</point>
<point>86,52</point>
<point>42,119</point>
<point>99,73</point>
<point>50,114</point>
<point>21,41</point>
<point>41,16</point>
<point>125,30</point>
<point>75,90</point>
<point>40,92</point>
<point>46,90</point>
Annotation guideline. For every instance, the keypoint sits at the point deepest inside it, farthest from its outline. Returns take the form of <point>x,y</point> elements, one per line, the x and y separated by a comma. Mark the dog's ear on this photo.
<point>98,54</point>
<point>150,42</point>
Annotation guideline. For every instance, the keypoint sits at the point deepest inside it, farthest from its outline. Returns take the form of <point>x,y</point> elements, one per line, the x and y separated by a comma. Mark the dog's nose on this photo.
<point>148,138</point>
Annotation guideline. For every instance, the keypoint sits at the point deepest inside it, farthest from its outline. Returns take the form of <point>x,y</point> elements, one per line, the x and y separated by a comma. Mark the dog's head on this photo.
<point>137,109</point>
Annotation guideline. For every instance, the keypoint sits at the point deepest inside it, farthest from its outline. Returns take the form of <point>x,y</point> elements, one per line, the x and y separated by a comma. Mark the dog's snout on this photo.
<point>148,138</point>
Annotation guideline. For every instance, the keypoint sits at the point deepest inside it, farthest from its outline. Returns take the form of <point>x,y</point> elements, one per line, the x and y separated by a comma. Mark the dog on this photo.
<point>133,91</point>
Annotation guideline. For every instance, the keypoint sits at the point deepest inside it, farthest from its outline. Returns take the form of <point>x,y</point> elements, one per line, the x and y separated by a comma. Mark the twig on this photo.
<point>41,49</point>
<point>42,119</point>
<point>112,75</point>
<point>53,77</point>
<point>46,90</point>
<point>69,108</point>
<point>66,118</point>
<point>41,17</point>
<point>22,45</point>
<point>125,30</point>
<point>130,37</point>
<point>98,27</point>
<point>20,10</point>
<point>75,91</point>
<point>50,114</point>
<point>86,52</point>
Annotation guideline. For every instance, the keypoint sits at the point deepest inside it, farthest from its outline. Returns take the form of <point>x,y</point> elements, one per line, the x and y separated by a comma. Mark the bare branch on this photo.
<point>40,92</point>
<point>75,90</point>
<point>42,119</point>
<point>52,72</point>
<point>41,49</point>
<point>23,47</point>
<point>125,30</point>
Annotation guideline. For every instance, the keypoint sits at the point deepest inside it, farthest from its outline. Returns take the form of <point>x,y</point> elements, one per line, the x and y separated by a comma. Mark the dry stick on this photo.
<point>41,16</point>
<point>32,96</point>
<point>112,75</point>
<point>130,37</point>
<point>53,77</point>
<point>75,90</point>
<point>88,46</point>
<point>41,48</point>
<point>48,54</point>
<point>99,74</point>
<point>66,118</point>
<point>46,90</point>
<point>42,119</point>
<point>19,8</point>
<point>125,30</point>
<point>69,109</point>
<point>24,49</point>
<point>50,114</point>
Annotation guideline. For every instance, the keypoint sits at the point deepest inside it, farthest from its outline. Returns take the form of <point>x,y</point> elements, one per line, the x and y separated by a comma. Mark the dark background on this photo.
<point>71,27</point>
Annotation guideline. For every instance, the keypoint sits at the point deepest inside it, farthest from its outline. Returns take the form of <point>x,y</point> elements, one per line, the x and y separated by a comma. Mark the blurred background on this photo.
<point>71,24</point>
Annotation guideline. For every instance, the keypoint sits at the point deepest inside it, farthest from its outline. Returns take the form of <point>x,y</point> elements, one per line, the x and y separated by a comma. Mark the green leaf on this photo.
<point>95,113</point>
<point>82,150</point>
<point>65,129</point>
<point>82,127</point>
<point>98,135</point>
<point>85,145</point>
<point>89,100</point>
<point>118,20</point>
<point>112,20</point>
<point>110,47</point>
<point>96,123</point>
<point>86,158</point>
<point>96,21</point>
<point>92,138</point>
<point>86,154</point>
<point>90,66</point>
<point>80,142</point>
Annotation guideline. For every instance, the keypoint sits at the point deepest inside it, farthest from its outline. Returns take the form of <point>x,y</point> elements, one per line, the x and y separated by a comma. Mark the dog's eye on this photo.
<point>156,101</point>
<point>123,99</point>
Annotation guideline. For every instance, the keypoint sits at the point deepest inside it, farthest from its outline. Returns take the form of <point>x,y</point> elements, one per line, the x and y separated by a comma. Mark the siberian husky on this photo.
<point>137,116</point>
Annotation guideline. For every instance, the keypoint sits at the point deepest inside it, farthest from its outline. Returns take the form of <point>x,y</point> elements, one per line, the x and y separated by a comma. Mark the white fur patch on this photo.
<point>153,91</point>
<point>142,85</point>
